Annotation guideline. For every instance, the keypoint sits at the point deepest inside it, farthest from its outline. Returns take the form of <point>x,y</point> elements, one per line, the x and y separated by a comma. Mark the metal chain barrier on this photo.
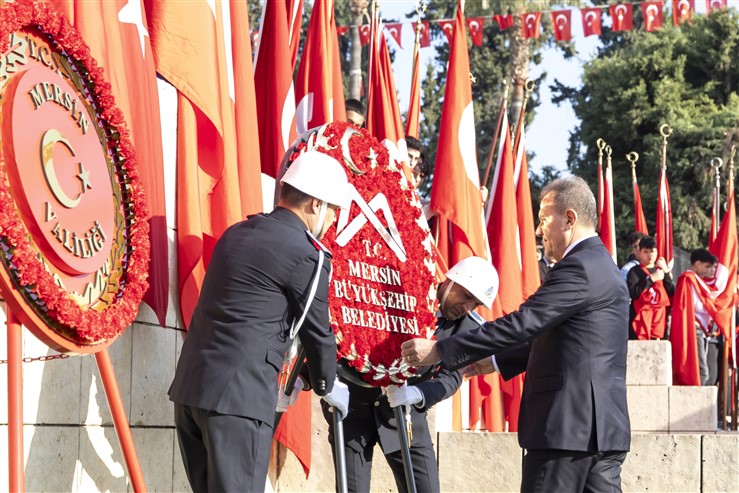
<point>47,357</point>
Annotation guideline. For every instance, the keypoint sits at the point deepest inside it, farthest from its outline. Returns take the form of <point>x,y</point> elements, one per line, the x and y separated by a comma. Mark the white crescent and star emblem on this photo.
<point>530,20</point>
<point>560,20</point>
<point>621,11</point>
<point>652,12</point>
<point>590,17</point>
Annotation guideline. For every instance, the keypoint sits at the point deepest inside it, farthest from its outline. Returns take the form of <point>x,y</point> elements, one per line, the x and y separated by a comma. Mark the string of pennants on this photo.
<point>621,20</point>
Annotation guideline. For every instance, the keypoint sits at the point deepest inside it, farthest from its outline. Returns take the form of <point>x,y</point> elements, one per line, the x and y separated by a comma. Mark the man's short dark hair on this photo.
<point>415,144</point>
<point>289,195</point>
<point>355,105</point>
<point>647,242</point>
<point>703,255</point>
<point>634,237</point>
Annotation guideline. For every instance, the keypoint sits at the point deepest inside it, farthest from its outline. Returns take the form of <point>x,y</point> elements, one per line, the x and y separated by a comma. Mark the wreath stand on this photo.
<point>16,475</point>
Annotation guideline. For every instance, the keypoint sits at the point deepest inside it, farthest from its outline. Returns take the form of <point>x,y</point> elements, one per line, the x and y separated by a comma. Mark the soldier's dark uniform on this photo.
<point>372,420</point>
<point>225,385</point>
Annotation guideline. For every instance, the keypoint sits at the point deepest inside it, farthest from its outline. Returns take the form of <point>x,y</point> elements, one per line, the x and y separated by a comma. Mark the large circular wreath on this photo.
<point>52,302</point>
<point>372,351</point>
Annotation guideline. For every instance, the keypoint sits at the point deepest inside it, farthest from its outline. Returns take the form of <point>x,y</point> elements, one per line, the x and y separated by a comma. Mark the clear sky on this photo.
<point>548,136</point>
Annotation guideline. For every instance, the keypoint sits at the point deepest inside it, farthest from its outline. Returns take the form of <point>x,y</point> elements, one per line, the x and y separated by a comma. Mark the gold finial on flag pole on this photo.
<point>633,157</point>
<point>666,131</point>
<point>731,164</point>
<point>608,156</point>
<point>601,145</point>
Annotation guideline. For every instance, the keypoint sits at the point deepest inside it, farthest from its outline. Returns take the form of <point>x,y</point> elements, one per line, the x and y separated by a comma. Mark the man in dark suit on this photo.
<point>574,421</point>
<point>266,274</point>
<point>470,283</point>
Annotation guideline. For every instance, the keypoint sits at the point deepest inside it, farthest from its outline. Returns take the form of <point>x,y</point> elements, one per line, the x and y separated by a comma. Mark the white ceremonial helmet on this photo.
<point>478,276</point>
<point>321,176</point>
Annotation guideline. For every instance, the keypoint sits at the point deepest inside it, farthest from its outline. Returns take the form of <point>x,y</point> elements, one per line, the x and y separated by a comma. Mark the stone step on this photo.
<point>649,363</point>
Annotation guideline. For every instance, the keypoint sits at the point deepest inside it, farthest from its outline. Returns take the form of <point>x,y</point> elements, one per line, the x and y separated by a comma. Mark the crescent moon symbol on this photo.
<point>621,11</point>
<point>560,20</point>
<point>683,6</point>
<point>590,15</point>
<point>652,11</point>
<point>475,25</point>
<point>530,20</point>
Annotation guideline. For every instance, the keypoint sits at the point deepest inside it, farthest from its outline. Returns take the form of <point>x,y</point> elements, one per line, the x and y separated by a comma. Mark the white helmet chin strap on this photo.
<point>321,217</point>
<point>446,293</point>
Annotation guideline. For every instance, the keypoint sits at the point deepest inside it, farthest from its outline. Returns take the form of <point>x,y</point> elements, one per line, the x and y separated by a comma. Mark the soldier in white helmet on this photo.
<point>472,282</point>
<point>267,278</point>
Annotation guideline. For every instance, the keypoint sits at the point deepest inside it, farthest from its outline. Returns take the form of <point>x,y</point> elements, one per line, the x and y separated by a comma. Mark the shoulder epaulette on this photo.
<point>317,244</point>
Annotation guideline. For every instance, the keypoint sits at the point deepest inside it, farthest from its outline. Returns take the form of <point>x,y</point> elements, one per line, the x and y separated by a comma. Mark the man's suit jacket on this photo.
<point>576,323</point>
<point>368,407</point>
<point>257,283</point>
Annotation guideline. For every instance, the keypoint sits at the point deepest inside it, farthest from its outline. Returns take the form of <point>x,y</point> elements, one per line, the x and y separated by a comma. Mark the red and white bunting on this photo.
<point>562,26</point>
<point>530,23</point>
<point>475,26</point>
<point>652,12</point>
<point>396,31</point>
<point>681,10</point>
<point>590,21</point>
<point>622,17</point>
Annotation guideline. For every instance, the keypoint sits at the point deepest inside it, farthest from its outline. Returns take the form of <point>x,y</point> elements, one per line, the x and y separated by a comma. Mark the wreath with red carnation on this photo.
<point>383,288</point>
<point>27,267</point>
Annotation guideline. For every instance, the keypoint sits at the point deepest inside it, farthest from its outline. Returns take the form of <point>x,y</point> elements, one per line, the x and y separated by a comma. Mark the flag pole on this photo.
<point>497,131</point>
<point>601,144</point>
<point>716,164</point>
<point>372,51</point>
<point>529,87</point>
<point>733,383</point>
<point>633,157</point>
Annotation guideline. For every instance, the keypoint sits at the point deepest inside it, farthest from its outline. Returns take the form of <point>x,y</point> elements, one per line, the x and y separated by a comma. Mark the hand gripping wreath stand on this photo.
<point>289,385</point>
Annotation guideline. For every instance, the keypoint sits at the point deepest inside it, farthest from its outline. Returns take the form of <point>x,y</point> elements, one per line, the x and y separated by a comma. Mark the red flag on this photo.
<point>447,25</point>
<point>118,37</point>
<point>294,10</point>
<point>502,230</point>
<point>590,21</point>
<point>396,31</point>
<point>640,222</point>
<point>681,10</point>
<point>383,115</point>
<point>475,26</point>
<point>342,30</point>
<point>504,21</point>
<point>726,247</point>
<point>414,104</point>
<point>215,160</point>
<point>425,38</point>
<point>364,34</point>
<point>273,76</point>
<point>319,89</point>
<point>712,5</point>
<point>622,17</point>
<point>530,24</point>
<point>561,23</point>
<point>652,12</point>
<point>663,226</point>
<point>606,220</point>
<point>530,279</point>
<point>455,195</point>
<point>685,369</point>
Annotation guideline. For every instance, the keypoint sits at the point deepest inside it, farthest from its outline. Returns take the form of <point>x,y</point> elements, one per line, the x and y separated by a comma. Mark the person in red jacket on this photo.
<point>650,289</point>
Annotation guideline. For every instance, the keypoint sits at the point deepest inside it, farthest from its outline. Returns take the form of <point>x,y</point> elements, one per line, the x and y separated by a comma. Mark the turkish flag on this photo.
<point>726,247</point>
<point>455,197</point>
<point>342,30</point>
<point>652,12</point>
<point>685,369</point>
<point>681,10</point>
<point>215,122</point>
<point>640,221</point>
<point>294,10</point>
<point>424,39</point>
<point>606,220</point>
<point>273,81</point>
<point>447,26</point>
<point>663,226</point>
<point>503,236</point>
<point>530,23</point>
<point>364,34</point>
<point>590,21</point>
<point>475,26</point>
<point>561,23</point>
<point>622,17</point>
<point>414,103</point>
<point>118,37</point>
<point>712,5</point>
<point>504,21</point>
<point>396,31</point>
<point>319,89</point>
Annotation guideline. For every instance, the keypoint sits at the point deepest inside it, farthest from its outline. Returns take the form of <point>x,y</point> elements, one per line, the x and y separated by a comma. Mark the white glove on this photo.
<point>339,397</point>
<point>404,395</point>
<point>284,401</point>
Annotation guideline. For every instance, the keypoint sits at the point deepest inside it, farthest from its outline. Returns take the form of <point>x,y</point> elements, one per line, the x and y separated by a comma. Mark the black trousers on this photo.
<point>223,452</point>
<point>569,471</point>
